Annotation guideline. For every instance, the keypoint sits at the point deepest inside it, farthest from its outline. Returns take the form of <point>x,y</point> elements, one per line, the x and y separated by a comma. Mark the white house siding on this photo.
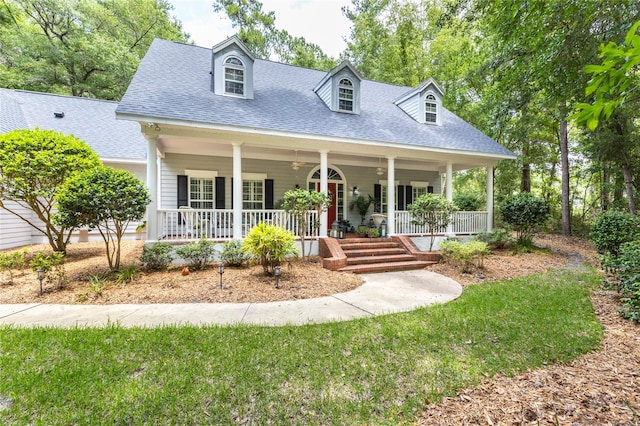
<point>412,107</point>
<point>14,232</point>
<point>325,93</point>
<point>283,176</point>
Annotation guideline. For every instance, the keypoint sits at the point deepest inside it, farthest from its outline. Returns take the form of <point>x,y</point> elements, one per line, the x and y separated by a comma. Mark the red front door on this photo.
<point>333,208</point>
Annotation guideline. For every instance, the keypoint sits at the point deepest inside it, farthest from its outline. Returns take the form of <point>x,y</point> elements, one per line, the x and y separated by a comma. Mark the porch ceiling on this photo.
<point>283,147</point>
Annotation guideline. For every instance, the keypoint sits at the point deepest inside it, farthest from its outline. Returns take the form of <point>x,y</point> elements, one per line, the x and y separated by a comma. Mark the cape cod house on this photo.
<point>118,143</point>
<point>228,134</point>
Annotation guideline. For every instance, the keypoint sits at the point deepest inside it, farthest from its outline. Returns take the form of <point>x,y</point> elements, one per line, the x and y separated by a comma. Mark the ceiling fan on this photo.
<point>380,170</point>
<point>295,165</point>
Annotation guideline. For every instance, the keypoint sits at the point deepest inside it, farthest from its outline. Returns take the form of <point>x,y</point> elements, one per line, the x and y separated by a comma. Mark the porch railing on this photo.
<point>192,224</point>
<point>462,223</point>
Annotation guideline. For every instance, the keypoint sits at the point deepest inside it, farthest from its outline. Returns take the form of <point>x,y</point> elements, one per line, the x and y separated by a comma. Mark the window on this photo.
<point>430,109</point>
<point>201,193</point>
<point>384,203</point>
<point>253,194</point>
<point>419,188</point>
<point>345,95</point>
<point>234,76</point>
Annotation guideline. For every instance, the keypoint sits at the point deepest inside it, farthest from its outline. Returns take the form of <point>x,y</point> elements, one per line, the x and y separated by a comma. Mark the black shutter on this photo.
<point>231,192</point>
<point>183,190</point>
<point>408,194</point>
<point>429,189</point>
<point>220,192</point>
<point>401,205</point>
<point>268,194</point>
<point>377,195</point>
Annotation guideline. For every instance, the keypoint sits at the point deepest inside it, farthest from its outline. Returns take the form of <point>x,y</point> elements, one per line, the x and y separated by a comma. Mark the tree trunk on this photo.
<point>628,184</point>
<point>564,158</point>
<point>605,196</point>
<point>525,183</point>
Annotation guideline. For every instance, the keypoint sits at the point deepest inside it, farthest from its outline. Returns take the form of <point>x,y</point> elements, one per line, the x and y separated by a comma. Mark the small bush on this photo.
<point>12,262</point>
<point>626,268</point>
<point>232,253</point>
<point>157,256</point>
<point>126,274</point>
<point>269,245</point>
<point>197,255</point>
<point>467,202</point>
<point>612,229</point>
<point>497,239</point>
<point>525,213</point>
<point>97,283</point>
<point>467,255</point>
<point>52,265</point>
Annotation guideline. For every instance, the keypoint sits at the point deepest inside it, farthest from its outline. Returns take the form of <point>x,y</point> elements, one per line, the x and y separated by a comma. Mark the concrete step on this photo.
<point>374,252</point>
<point>385,267</point>
<point>380,259</point>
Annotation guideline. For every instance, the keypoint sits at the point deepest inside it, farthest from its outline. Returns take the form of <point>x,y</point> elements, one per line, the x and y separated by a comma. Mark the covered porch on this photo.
<point>219,182</point>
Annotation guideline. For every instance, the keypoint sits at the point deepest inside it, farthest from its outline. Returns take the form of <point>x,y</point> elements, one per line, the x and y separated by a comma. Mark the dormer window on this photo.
<point>234,76</point>
<point>345,95</point>
<point>430,109</point>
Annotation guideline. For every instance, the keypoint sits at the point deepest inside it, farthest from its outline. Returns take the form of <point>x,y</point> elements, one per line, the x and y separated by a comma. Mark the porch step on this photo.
<point>365,255</point>
<point>380,259</point>
<point>385,267</point>
<point>374,252</point>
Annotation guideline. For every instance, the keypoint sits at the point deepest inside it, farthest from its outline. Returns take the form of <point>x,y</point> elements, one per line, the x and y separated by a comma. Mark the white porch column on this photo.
<point>324,187</point>
<point>237,190</point>
<point>449,192</point>
<point>489,199</point>
<point>152,185</point>
<point>449,188</point>
<point>391,196</point>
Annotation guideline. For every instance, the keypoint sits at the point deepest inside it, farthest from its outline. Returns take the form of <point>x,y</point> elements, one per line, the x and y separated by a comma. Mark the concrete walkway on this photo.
<point>382,293</point>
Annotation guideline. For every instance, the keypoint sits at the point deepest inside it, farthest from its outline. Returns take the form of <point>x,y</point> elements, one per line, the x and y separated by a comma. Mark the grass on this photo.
<point>374,371</point>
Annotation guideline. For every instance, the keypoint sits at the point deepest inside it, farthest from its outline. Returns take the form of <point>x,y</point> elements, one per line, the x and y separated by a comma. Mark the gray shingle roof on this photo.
<point>91,120</point>
<point>173,82</point>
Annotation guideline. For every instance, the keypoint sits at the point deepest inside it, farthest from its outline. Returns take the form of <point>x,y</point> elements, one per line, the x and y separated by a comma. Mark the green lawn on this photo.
<point>373,371</point>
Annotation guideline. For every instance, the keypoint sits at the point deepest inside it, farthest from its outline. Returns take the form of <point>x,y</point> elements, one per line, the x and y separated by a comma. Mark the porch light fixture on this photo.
<point>335,229</point>
<point>276,273</point>
<point>355,191</point>
<point>221,271</point>
<point>40,273</point>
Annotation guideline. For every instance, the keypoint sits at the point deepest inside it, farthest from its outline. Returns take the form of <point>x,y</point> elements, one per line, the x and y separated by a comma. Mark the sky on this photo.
<point>318,21</point>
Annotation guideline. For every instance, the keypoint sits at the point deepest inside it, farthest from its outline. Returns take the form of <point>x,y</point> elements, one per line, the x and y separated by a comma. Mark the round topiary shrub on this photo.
<point>525,213</point>
<point>614,228</point>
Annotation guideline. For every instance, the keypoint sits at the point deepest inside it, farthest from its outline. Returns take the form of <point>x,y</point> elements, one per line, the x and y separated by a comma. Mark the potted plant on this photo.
<point>361,205</point>
<point>373,232</point>
<point>362,231</point>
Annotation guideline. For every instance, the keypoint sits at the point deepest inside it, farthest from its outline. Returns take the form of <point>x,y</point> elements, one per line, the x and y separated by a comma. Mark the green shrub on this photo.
<point>197,254</point>
<point>13,261</point>
<point>232,253</point>
<point>97,283</point>
<point>626,268</point>
<point>467,202</point>
<point>126,274</point>
<point>432,211</point>
<point>269,245</point>
<point>157,255</point>
<point>52,265</point>
<point>497,239</point>
<point>525,213</point>
<point>612,229</point>
<point>467,255</point>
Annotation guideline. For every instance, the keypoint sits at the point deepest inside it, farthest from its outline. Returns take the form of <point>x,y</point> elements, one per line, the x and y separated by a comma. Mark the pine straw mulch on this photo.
<point>600,388</point>
<point>299,280</point>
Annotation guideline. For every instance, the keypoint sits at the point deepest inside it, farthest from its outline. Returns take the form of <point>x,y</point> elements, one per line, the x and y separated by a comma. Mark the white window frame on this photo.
<point>431,109</point>
<point>202,175</point>
<point>384,208</point>
<point>419,185</point>
<point>346,87</point>
<point>235,69</point>
<point>252,197</point>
